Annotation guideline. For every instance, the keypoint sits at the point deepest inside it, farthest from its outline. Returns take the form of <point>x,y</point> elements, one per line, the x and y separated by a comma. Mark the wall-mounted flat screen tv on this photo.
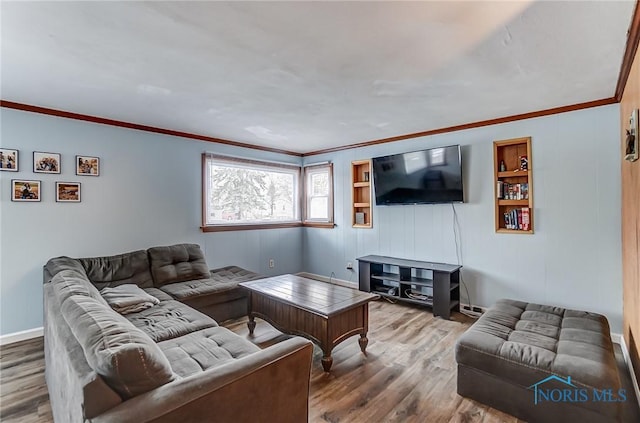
<point>420,177</point>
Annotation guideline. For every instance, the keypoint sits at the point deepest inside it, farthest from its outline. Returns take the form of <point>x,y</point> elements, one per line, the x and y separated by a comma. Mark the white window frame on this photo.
<point>207,158</point>
<point>308,171</point>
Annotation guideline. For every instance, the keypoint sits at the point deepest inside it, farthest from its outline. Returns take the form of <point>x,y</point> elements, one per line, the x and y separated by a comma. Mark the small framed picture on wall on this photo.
<point>22,190</point>
<point>68,192</point>
<point>46,162</point>
<point>8,159</point>
<point>87,166</point>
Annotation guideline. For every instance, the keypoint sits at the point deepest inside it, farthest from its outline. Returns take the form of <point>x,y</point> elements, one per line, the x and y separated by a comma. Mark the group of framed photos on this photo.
<point>30,191</point>
<point>23,190</point>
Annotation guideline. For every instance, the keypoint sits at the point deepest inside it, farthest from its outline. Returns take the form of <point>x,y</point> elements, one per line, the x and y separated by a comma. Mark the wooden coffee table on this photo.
<point>325,313</point>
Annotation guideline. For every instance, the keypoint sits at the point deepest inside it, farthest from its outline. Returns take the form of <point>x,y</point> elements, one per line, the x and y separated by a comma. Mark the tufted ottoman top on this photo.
<point>524,343</point>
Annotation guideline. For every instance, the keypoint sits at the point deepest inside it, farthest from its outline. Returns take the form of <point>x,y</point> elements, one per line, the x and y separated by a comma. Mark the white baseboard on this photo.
<point>335,281</point>
<point>627,359</point>
<point>10,338</point>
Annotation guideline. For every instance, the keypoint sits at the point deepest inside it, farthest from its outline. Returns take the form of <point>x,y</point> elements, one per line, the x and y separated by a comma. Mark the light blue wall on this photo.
<point>574,257</point>
<point>148,193</point>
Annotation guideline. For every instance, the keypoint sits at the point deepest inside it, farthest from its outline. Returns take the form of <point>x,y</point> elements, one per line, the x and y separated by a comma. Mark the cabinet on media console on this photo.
<point>436,285</point>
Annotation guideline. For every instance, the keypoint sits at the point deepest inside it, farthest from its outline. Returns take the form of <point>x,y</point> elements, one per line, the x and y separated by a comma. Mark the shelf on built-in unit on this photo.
<point>513,174</point>
<point>513,231</point>
<point>454,286</point>
<point>513,202</point>
<point>516,181</point>
<point>361,184</point>
<point>361,195</point>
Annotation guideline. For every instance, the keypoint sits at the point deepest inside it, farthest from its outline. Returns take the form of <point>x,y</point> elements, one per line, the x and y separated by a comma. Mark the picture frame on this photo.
<point>68,192</point>
<point>46,162</point>
<point>8,159</point>
<point>23,190</point>
<point>87,166</point>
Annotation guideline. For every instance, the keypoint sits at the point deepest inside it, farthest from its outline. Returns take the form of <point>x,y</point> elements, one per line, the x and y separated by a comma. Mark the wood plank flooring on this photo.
<point>408,374</point>
<point>23,392</point>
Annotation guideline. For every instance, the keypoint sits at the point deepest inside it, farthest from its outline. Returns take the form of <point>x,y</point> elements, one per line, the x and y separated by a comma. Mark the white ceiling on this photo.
<point>304,76</point>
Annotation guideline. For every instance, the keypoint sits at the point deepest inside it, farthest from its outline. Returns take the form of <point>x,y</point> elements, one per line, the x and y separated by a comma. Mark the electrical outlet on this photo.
<point>466,307</point>
<point>272,263</point>
<point>349,265</point>
<point>478,310</point>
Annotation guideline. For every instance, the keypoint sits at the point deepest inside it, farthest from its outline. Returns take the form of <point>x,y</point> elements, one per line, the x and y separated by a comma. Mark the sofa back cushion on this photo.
<point>177,263</point>
<point>127,359</point>
<point>117,270</point>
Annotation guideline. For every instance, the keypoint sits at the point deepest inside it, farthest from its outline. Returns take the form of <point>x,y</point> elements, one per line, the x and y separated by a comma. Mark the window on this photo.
<point>249,194</point>
<point>318,181</point>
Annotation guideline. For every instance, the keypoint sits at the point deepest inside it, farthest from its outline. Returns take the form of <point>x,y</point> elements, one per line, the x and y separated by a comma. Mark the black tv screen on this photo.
<point>419,177</point>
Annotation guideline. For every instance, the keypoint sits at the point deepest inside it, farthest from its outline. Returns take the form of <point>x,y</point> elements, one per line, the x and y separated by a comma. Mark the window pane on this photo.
<point>320,183</point>
<point>240,193</point>
<point>319,208</point>
<point>318,194</point>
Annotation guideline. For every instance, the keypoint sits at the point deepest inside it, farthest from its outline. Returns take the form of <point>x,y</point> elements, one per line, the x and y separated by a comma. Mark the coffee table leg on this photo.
<point>363,341</point>
<point>327,361</point>
<point>251,324</point>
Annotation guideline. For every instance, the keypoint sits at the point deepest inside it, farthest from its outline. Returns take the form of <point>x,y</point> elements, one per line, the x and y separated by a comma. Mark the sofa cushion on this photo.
<point>161,295</point>
<point>67,283</point>
<point>205,349</point>
<point>117,270</point>
<point>216,291</point>
<point>222,285</point>
<point>233,274</point>
<point>128,360</point>
<point>177,263</point>
<point>170,319</point>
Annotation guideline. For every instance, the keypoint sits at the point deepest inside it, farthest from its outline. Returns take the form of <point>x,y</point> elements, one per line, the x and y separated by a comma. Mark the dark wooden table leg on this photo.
<point>327,361</point>
<point>363,341</point>
<point>251,324</point>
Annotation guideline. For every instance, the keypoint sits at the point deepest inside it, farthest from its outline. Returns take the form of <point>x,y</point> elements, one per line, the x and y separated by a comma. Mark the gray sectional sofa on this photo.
<point>170,362</point>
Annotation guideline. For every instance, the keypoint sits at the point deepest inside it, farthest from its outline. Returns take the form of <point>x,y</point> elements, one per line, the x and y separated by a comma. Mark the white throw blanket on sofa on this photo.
<point>128,298</point>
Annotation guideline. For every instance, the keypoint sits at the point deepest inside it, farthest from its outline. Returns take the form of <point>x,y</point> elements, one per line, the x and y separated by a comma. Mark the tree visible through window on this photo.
<point>246,192</point>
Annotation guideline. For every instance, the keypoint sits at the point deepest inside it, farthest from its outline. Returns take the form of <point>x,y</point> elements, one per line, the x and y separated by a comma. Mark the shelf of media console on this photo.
<point>383,292</point>
<point>395,277</point>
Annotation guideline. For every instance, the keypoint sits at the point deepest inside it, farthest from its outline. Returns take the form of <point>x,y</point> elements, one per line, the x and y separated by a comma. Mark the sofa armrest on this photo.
<point>271,385</point>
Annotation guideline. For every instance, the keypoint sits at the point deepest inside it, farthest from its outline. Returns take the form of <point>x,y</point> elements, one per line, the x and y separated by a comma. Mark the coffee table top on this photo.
<point>317,297</point>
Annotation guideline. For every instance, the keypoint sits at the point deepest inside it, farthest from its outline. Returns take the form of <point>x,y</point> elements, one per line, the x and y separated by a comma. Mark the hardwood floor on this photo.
<point>408,374</point>
<point>23,392</point>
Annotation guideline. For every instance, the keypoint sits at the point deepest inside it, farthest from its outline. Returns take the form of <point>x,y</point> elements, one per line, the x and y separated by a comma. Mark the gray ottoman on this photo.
<point>541,364</point>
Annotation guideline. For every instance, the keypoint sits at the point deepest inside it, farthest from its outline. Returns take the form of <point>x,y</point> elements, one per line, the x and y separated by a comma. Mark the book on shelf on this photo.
<point>517,219</point>
<point>512,191</point>
<point>525,219</point>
